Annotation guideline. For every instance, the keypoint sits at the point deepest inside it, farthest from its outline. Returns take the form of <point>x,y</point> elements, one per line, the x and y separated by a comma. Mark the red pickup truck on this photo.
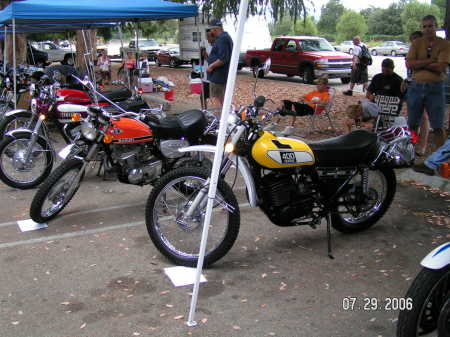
<point>306,56</point>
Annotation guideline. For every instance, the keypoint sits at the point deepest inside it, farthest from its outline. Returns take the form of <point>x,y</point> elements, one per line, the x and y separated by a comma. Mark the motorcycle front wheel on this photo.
<point>19,170</point>
<point>56,191</point>
<point>178,236</point>
<point>429,292</point>
<point>20,120</point>
<point>359,210</point>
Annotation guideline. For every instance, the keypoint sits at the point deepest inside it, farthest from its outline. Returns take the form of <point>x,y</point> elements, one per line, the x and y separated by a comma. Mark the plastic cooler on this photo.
<point>146,84</point>
<point>196,86</point>
<point>169,95</point>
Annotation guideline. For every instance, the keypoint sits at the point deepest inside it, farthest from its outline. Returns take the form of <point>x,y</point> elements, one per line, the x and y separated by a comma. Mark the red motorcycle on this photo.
<point>26,152</point>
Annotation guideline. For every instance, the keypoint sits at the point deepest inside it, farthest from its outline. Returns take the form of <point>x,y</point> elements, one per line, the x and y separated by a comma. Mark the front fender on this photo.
<point>15,112</point>
<point>438,258</point>
<point>239,162</point>
<point>18,133</point>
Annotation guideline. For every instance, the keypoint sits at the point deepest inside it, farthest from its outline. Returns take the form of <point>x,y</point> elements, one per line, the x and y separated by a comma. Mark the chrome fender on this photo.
<point>241,165</point>
<point>438,258</point>
<point>15,112</point>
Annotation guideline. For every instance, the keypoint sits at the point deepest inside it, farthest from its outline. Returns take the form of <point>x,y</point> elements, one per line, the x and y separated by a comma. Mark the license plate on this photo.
<point>65,151</point>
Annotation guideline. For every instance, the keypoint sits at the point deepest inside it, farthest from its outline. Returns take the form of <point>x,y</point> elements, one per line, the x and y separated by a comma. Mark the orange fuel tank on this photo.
<point>130,131</point>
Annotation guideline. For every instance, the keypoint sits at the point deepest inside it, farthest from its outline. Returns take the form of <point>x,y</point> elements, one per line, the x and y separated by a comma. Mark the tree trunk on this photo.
<point>89,39</point>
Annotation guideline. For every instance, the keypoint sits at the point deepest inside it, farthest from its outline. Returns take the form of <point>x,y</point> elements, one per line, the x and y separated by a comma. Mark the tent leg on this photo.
<point>14,63</point>
<point>218,155</point>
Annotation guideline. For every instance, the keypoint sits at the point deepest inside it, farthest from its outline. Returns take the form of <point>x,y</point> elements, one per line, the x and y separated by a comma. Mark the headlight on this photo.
<point>88,131</point>
<point>322,63</point>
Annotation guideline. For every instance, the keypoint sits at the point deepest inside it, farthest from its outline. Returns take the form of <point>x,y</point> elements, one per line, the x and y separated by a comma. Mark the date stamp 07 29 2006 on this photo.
<point>353,303</point>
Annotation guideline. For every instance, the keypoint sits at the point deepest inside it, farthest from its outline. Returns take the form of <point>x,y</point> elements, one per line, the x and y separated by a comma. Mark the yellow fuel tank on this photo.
<point>281,152</point>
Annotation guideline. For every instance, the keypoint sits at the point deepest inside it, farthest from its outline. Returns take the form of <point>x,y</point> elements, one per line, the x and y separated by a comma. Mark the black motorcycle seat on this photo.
<point>117,95</point>
<point>189,124</point>
<point>134,105</point>
<point>354,148</point>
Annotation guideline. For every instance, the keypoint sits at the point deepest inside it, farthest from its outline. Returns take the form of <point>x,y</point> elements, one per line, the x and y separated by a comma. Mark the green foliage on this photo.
<point>412,15</point>
<point>305,27</point>
<point>162,31</point>
<point>350,24</point>
<point>367,12</point>
<point>281,27</point>
<point>329,16</point>
<point>50,36</point>
<point>441,4</point>
<point>385,21</point>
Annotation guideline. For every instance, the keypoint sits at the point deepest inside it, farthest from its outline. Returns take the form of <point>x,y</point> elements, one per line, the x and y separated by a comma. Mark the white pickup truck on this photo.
<point>54,52</point>
<point>150,46</point>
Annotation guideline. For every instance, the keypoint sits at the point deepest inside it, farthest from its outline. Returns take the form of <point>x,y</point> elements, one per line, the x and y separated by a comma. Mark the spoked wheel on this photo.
<point>23,165</point>
<point>430,293</point>
<point>16,121</point>
<point>56,192</point>
<point>176,234</point>
<point>359,210</point>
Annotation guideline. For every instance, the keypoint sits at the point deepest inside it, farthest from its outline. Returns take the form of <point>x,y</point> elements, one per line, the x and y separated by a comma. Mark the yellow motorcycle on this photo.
<point>348,180</point>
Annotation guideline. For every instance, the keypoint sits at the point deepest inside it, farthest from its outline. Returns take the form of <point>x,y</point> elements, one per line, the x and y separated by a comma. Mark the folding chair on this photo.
<point>389,111</point>
<point>325,111</point>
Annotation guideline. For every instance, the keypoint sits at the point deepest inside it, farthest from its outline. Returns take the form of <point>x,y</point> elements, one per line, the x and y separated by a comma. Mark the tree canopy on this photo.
<point>351,24</point>
<point>414,11</point>
<point>329,16</point>
<point>385,21</point>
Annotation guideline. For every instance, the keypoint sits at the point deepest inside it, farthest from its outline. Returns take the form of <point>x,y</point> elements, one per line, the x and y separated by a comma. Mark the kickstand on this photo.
<point>330,255</point>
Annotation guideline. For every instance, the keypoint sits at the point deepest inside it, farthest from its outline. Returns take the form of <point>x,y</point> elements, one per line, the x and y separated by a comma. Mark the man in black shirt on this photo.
<point>385,89</point>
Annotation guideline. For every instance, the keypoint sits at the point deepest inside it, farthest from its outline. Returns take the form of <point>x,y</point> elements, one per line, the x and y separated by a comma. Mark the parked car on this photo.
<point>345,46</point>
<point>307,56</point>
<point>55,52</point>
<point>36,57</point>
<point>150,46</point>
<point>170,57</point>
<point>392,48</point>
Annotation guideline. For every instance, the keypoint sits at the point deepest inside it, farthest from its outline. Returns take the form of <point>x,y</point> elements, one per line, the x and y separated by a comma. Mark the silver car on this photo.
<point>392,48</point>
<point>345,46</point>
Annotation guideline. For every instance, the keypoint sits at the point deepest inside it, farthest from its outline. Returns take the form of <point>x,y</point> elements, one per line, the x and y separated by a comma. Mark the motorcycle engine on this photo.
<point>136,163</point>
<point>284,200</point>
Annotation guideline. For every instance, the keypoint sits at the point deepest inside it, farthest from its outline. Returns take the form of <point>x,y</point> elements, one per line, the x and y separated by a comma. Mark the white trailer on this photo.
<point>192,35</point>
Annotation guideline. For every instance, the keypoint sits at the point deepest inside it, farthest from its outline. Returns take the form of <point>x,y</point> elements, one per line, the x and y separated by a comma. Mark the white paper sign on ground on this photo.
<point>30,225</point>
<point>182,276</point>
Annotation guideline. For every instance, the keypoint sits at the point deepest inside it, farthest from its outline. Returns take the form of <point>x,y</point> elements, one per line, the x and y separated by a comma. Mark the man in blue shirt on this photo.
<point>219,61</point>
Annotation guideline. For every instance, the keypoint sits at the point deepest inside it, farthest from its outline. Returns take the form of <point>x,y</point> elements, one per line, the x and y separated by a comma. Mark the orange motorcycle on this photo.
<point>136,150</point>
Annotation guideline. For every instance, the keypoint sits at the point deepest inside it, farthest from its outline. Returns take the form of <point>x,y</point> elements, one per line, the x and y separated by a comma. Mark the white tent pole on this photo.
<point>14,63</point>
<point>5,50</point>
<point>218,155</point>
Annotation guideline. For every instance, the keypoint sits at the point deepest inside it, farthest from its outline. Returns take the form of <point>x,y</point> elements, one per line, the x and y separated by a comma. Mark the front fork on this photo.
<point>201,198</point>
<point>76,180</point>
<point>34,138</point>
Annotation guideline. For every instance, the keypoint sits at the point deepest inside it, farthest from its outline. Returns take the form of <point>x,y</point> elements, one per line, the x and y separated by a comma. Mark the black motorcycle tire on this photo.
<point>420,292</point>
<point>48,157</point>
<point>41,195</point>
<point>9,119</point>
<point>343,226</point>
<point>232,228</point>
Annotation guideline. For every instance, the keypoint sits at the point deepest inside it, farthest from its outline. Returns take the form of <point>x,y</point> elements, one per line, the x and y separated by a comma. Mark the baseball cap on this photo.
<point>387,63</point>
<point>215,23</point>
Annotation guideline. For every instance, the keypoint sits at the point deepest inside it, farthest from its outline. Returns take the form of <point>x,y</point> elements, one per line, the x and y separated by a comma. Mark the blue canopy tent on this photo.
<point>69,12</point>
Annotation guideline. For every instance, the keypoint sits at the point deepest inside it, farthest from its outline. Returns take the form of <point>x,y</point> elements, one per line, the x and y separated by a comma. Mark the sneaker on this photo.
<point>422,168</point>
<point>348,92</point>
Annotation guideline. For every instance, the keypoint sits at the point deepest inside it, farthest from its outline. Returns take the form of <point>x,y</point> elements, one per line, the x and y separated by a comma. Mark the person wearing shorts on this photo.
<point>219,61</point>
<point>428,57</point>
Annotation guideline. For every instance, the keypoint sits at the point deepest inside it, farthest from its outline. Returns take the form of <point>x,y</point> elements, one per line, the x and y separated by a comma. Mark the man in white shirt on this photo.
<point>359,71</point>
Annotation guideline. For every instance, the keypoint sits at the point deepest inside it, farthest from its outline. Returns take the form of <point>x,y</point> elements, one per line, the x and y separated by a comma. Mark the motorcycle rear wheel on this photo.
<point>17,173</point>
<point>428,292</point>
<point>55,191</point>
<point>179,238</point>
<point>382,186</point>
